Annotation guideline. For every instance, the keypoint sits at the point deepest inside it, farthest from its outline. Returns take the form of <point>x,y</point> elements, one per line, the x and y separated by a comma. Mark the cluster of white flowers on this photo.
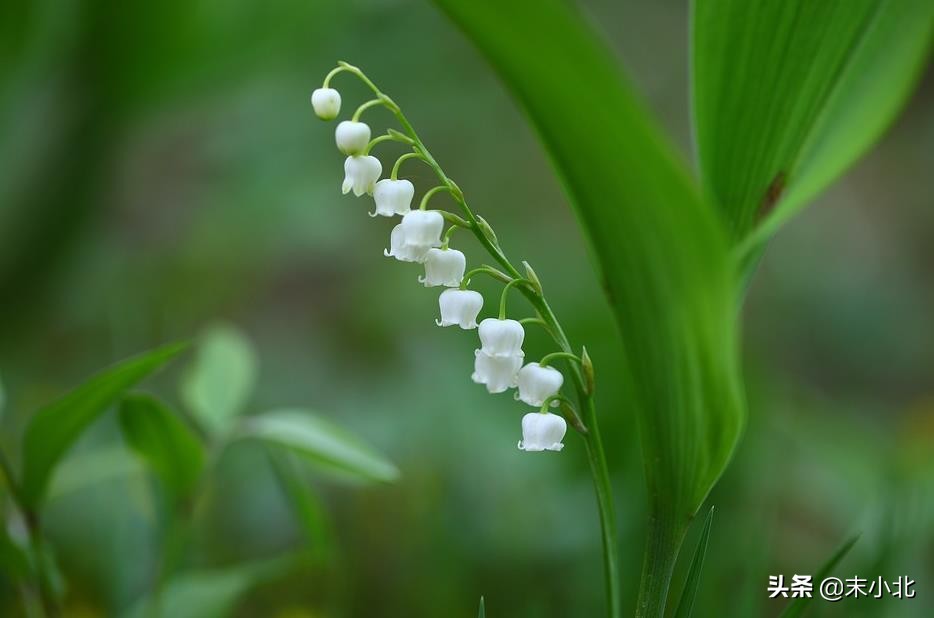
<point>498,364</point>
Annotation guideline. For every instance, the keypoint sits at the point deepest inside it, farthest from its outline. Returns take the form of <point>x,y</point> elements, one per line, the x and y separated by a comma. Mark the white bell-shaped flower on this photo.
<point>352,137</point>
<point>537,383</point>
<point>361,174</point>
<point>402,250</point>
<point>443,267</point>
<point>392,197</point>
<point>459,307</point>
<point>497,373</point>
<point>327,103</point>
<point>542,431</point>
<point>423,228</point>
<point>501,337</point>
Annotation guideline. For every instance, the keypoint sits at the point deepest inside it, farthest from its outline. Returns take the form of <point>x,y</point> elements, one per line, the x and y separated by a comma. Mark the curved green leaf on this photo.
<point>161,438</point>
<point>660,253</point>
<point>55,427</point>
<point>221,378</point>
<point>788,94</point>
<point>319,442</point>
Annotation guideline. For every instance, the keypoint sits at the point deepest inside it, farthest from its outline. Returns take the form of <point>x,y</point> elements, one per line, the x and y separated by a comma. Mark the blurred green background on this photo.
<point>161,170</point>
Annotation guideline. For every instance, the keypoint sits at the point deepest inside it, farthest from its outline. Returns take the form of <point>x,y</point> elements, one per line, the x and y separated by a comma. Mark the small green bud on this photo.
<point>531,276</point>
<point>587,370</point>
<point>570,415</point>
<point>487,230</point>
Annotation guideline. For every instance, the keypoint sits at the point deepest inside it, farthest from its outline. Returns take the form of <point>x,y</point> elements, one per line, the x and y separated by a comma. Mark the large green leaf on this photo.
<point>788,94</point>
<point>221,378</point>
<point>659,248</point>
<point>55,427</point>
<point>319,442</point>
<point>162,439</point>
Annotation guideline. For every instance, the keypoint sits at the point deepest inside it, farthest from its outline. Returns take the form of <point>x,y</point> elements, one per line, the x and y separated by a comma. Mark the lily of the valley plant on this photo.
<point>500,361</point>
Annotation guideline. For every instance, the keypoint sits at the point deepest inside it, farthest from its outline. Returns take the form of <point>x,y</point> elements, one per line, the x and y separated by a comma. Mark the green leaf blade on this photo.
<point>787,95</point>
<point>319,442</point>
<point>692,581</point>
<point>659,248</point>
<point>54,428</point>
<point>163,440</point>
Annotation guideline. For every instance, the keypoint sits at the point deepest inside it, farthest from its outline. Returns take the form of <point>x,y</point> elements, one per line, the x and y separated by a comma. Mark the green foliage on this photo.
<point>219,381</point>
<point>320,443</point>
<point>55,427</point>
<point>91,467</point>
<point>163,440</point>
<point>798,606</point>
<point>482,612</point>
<point>659,249</point>
<point>13,559</point>
<point>692,581</point>
<point>208,593</point>
<point>788,94</point>
<point>307,508</point>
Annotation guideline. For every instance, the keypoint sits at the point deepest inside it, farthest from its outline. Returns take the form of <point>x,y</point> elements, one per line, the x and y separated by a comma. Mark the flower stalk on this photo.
<point>586,424</point>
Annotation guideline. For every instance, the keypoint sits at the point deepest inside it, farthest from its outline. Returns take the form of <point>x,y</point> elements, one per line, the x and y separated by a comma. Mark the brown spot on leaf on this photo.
<point>772,194</point>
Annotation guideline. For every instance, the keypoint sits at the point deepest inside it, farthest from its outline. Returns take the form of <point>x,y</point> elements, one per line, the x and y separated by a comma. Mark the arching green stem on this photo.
<point>486,270</point>
<point>502,298</point>
<point>556,355</point>
<point>424,203</point>
<point>378,140</point>
<point>395,168</point>
<point>364,107</point>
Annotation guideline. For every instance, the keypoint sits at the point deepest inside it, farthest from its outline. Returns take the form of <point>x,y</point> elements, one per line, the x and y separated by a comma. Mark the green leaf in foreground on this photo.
<point>482,612</point>
<point>659,248</point>
<point>692,581</point>
<point>788,94</point>
<point>161,438</point>
<point>54,428</point>
<point>798,606</point>
<point>319,442</point>
<point>220,379</point>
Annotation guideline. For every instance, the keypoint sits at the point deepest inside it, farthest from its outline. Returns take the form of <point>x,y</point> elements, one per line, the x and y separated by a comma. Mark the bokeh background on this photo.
<point>161,170</point>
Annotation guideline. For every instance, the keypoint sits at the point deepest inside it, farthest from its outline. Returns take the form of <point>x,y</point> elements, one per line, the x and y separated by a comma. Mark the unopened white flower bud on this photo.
<point>542,432</point>
<point>497,373</point>
<point>352,137</point>
<point>423,228</point>
<point>459,307</point>
<point>501,337</point>
<point>361,174</point>
<point>327,103</point>
<point>443,267</point>
<point>537,383</point>
<point>393,197</point>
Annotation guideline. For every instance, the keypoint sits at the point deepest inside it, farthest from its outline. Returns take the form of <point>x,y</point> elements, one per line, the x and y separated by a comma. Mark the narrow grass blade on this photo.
<point>482,612</point>
<point>798,606</point>
<point>692,581</point>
